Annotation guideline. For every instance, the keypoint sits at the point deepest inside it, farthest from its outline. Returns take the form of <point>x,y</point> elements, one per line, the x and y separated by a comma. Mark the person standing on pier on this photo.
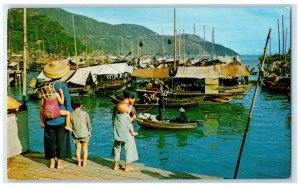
<point>56,137</point>
<point>123,131</point>
<point>81,123</point>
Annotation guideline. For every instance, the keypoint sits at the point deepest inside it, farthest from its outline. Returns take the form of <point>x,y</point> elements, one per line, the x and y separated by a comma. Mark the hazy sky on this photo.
<point>243,29</point>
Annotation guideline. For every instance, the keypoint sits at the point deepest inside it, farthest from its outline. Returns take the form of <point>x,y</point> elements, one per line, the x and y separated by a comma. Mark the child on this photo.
<point>50,111</point>
<point>123,137</point>
<point>81,124</point>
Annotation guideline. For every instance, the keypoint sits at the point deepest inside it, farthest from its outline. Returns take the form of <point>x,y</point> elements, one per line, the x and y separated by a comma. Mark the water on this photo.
<point>211,149</point>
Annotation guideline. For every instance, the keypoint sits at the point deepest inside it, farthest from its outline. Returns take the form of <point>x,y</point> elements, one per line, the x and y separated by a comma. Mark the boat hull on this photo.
<point>167,125</point>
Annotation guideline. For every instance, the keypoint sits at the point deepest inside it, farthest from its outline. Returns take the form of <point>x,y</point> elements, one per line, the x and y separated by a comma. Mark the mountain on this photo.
<point>121,38</point>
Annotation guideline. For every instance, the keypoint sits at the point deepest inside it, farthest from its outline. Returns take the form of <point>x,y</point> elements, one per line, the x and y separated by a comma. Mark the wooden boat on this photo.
<point>168,125</point>
<point>169,102</point>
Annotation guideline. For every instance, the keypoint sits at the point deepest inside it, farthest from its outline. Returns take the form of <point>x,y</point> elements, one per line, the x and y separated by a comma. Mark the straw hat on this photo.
<point>12,104</point>
<point>56,69</point>
<point>181,110</point>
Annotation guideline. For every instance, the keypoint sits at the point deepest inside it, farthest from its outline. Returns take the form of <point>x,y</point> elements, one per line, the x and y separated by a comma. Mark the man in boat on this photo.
<point>161,106</point>
<point>146,99</point>
<point>182,118</point>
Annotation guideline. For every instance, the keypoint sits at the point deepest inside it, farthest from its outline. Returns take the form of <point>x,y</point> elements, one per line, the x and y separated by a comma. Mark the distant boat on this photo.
<point>168,125</point>
<point>169,102</point>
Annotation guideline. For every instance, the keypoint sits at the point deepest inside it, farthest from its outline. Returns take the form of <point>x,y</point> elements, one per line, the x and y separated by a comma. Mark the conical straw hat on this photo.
<point>12,103</point>
<point>56,69</point>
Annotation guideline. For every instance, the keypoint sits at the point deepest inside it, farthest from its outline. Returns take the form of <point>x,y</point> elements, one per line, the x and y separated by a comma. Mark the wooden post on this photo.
<point>75,47</point>
<point>15,78</point>
<point>24,54</point>
<point>252,104</point>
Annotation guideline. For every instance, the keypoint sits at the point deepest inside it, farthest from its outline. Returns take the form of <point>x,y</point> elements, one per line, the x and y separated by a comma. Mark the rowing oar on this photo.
<point>148,109</point>
<point>252,105</point>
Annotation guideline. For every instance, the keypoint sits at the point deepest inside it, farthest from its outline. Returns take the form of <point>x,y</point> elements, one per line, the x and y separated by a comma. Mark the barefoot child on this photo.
<point>81,124</point>
<point>50,108</point>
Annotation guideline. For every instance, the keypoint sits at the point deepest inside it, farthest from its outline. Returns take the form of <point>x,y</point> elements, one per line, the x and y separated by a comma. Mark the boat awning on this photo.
<point>151,73</point>
<point>217,71</point>
<point>80,76</point>
<point>234,71</point>
<point>106,69</point>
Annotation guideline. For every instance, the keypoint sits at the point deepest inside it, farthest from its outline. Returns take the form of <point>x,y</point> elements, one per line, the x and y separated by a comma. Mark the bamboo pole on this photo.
<point>174,38</point>
<point>24,54</point>
<point>75,47</point>
<point>252,105</point>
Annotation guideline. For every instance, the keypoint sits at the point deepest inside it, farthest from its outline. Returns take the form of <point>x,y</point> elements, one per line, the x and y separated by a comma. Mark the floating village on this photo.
<point>184,69</point>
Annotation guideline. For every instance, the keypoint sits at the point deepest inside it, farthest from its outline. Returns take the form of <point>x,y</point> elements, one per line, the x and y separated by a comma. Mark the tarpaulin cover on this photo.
<point>151,73</point>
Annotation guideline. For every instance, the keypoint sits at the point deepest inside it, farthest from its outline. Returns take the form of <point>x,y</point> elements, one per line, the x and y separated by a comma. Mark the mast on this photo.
<point>75,47</point>
<point>285,43</point>
<point>179,48</point>
<point>86,41</point>
<point>278,38</point>
<point>204,39</point>
<point>212,43</point>
<point>193,46</point>
<point>283,52</point>
<point>183,46</point>
<point>24,54</point>
<point>174,38</point>
<point>162,45</point>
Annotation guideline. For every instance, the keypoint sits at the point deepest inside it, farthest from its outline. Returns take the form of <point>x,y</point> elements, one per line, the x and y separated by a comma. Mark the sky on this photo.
<point>241,28</point>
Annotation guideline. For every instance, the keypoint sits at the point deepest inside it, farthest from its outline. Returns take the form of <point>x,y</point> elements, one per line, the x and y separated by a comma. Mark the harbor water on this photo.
<point>211,149</point>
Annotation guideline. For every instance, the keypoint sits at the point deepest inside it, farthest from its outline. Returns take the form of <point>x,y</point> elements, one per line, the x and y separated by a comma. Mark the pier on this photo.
<point>33,166</point>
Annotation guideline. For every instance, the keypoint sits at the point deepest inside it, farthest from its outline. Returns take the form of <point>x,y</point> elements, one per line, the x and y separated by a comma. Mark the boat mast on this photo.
<point>24,53</point>
<point>283,52</point>
<point>179,48</point>
<point>174,38</point>
<point>204,39</point>
<point>193,46</point>
<point>86,41</point>
<point>183,45</point>
<point>278,38</point>
<point>75,47</point>
<point>162,46</point>
<point>212,43</point>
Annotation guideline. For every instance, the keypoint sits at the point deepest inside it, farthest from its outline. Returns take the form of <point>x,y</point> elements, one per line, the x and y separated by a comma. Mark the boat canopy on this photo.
<point>216,71</point>
<point>82,74</point>
<point>114,69</point>
<point>151,73</point>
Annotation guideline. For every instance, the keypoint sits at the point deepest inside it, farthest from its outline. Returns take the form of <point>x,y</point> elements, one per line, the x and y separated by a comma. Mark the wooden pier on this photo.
<point>33,166</point>
<point>15,76</point>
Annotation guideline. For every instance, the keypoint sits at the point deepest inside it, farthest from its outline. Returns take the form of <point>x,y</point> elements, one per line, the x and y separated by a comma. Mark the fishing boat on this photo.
<point>168,125</point>
<point>169,102</point>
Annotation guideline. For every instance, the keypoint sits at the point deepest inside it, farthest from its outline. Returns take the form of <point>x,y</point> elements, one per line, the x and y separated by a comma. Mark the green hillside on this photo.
<point>101,37</point>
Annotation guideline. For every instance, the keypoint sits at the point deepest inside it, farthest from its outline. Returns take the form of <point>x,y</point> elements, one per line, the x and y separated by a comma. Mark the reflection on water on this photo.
<point>211,149</point>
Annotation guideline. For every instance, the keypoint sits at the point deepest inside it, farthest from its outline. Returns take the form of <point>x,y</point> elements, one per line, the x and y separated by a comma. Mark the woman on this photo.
<point>56,137</point>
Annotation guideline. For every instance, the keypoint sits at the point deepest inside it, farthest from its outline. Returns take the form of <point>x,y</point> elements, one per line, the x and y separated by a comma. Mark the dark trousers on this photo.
<point>57,142</point>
